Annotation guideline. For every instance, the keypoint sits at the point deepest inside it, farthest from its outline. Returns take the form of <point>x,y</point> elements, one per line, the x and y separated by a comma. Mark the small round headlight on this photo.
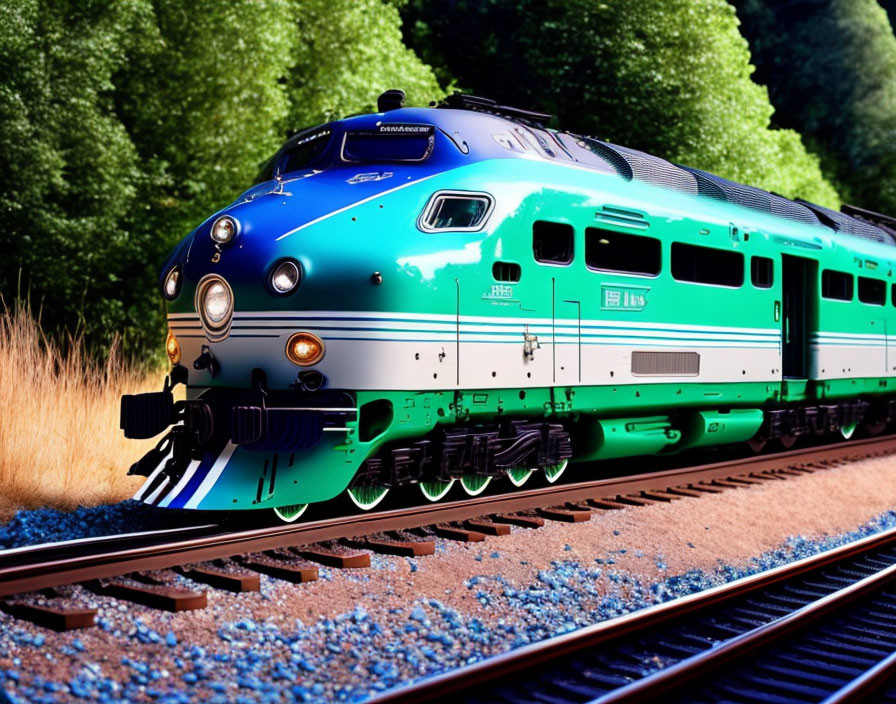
<point>285,277</point>
<point>305,349</point>
<point>172,283</point>
<point>214,302</point>
<point>224,229</point>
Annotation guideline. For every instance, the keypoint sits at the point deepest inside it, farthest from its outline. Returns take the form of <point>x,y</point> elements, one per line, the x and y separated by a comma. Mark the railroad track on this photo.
<point>822,629</point>
<point>292,551</point>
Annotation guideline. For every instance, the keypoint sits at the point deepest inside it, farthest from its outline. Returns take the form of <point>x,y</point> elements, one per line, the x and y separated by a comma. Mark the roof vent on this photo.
<point>390,100</point>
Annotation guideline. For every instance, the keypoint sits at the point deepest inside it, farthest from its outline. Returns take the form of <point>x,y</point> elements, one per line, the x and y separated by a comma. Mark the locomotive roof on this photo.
<point>481,129</point>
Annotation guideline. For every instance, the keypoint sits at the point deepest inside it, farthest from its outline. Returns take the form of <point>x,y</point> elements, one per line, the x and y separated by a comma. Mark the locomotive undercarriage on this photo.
<point>293,421</point>
<point>788,423</point>
<point>480,451</point>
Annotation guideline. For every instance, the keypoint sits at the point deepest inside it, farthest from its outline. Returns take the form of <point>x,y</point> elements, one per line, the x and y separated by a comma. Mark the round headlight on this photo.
<point>172,283</point>
<point>285,277</point>
<point>214,302</point>
<point>304,349</point>
<point>224,229</point>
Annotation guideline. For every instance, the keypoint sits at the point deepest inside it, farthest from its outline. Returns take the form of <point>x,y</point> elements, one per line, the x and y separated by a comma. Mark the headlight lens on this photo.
<point>305,349</point>
<point>285,277</point>
<point>224,229</point>
<point>214,301</point>
<point>172,283</point>
<point>172,347</point>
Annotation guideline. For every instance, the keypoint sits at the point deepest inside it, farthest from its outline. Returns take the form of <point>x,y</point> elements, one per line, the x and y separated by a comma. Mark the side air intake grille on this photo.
<point>643,167</point>
<point>665,363</point>
<point>737,193</point>
<point>847,225</point>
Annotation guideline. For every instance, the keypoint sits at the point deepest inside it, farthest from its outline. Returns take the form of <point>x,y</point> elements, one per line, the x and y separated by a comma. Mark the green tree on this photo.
<point>350,51</point>
<point>205,101</point>
<point>69,169</point>
<point>671,78</point>
<point>890,7</point>
<point>831,70</point>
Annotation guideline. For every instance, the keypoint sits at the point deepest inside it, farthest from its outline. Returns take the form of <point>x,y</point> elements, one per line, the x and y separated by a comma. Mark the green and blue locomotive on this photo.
<point>457,293</point>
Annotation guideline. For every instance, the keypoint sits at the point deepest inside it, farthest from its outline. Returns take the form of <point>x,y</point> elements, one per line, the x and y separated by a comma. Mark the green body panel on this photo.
<point>705,428</point>
<point>624,437</point>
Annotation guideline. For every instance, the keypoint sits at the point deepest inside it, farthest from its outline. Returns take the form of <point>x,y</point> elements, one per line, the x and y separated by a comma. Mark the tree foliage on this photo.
<point>831,70</point>
<point>671,78</point>
<point>350,51</point>
<point>69,169</point>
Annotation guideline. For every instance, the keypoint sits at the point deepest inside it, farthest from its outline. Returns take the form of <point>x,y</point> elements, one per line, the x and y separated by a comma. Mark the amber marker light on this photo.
<point>172,347</point>
<point>304,349</point>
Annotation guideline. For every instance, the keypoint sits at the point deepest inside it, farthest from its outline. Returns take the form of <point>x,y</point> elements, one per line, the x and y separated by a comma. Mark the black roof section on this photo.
<point>847,225</point>
<point>461,101</point>
<point>632,164</point>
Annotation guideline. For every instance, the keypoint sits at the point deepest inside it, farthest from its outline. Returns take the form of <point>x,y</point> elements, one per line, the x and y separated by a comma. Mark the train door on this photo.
<point>799,283</point>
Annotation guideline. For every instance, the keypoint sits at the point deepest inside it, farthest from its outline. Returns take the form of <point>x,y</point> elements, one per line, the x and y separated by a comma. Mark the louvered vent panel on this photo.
<point>665,363</point>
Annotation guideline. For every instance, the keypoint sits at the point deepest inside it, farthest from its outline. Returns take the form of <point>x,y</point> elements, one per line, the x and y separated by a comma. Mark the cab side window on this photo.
<point>872,291</point>
<point>606,250</point>
<point>706,265</point>
<point>552,242</point>
<point>762,272</point>
<point>836,285</point>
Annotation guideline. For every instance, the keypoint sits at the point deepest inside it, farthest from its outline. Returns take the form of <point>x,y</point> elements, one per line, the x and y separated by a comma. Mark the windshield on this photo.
<point>303,150</point>
<point>389,143</point>
<point>306,150</point>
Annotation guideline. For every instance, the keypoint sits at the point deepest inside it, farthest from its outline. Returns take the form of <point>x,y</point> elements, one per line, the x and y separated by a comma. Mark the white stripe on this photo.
<point>327,316</point>
<point>211,477</point>
<point>392,329</point>
<point>152,476</point>
<point>152,497</point>
<point>191,470</point>
<point>353,205</point>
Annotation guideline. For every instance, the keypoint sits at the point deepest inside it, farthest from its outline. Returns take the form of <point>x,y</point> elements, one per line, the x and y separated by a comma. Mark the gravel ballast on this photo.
<point>357,632</point>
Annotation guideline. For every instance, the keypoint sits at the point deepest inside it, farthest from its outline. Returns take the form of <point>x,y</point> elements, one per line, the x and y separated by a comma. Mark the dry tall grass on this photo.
<point>60,444</point>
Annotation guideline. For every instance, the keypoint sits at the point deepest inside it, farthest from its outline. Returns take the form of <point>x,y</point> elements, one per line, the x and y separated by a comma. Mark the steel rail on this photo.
<point>452,685</point>
<point>16,579</point>
<point>683,673</point>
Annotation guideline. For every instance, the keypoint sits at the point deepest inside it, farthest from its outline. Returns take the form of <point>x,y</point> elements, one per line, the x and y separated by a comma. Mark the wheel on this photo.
<point>288,514</point>
<point>874,427</point>
<point>787,441</point>
<point>757,444</point>
<point>435,490</point>
<point>847,430</point>
<point>552,472</point>
<point>367,497</point>
<point>473,484</point>
<point>519,475</point>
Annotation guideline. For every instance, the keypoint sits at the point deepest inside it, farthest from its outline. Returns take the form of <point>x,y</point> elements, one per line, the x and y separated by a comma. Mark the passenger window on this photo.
<point>456,211</point>
<point>552,242</point>
<point>506,271</point>
<point>606,250</point>
<point>704,265</point>
<point>872,291</point>
<point>762,272</point>
<point>836,285</point>
<point>893,294</point>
